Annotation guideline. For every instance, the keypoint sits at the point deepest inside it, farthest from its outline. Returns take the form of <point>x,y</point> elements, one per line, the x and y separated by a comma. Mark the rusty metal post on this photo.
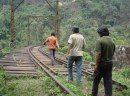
<point>12,31</point>
<point>29,37</point>
<point>57,18</point>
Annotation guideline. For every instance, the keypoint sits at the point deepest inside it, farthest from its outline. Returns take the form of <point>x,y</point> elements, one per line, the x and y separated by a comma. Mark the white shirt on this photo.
<point>78,42</point>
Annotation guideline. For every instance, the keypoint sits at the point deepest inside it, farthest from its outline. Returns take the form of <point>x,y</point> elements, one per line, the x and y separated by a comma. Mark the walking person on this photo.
<point>76,45</point>
<point>52,45</point>
<point>105,48</point>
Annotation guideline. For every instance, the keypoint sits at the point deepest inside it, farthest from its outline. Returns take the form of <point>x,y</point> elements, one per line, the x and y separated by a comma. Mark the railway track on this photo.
<point>61,66</point>
<point>18,63</point>
<point>44,63</point>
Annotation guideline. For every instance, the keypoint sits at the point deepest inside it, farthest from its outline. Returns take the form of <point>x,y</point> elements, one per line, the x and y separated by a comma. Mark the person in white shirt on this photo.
<point>76,44</point>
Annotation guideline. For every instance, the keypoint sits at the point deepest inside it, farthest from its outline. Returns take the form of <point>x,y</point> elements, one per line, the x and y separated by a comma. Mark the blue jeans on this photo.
<point>105,72</point>
<point>52,55</point>
<point>78,63</point>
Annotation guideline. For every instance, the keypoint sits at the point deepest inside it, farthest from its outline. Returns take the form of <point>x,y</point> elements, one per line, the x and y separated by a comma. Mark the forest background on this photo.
<point>88,15</point>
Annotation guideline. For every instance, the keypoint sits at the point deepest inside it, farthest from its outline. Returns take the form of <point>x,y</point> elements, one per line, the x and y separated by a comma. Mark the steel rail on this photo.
<point>64,88</point>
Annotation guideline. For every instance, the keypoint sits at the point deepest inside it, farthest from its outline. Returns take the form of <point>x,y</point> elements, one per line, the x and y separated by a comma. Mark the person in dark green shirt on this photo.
<point>105,49</point>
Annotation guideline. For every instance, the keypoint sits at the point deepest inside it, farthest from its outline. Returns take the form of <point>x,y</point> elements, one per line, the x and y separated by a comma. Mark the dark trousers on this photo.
<point>52,55</point>
<point>105,72</point>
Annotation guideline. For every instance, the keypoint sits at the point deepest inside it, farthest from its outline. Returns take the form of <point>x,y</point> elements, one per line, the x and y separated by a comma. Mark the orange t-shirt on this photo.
<point>52,42</point>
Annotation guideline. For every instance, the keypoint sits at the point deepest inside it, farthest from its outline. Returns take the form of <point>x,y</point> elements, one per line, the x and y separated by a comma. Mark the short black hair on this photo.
<point>52,34</point>
<point>103,31</point>
<point>75,29</point>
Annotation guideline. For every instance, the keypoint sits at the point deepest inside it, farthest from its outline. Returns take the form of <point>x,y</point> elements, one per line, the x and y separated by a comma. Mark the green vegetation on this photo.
<point>28,86</point>
<point>88,15</point>
<point>78,89</point>
<point>122,75</point>
<point>86,55</point>
<point>43,85</point>
<point>50,87</point>
<point>63,49</point>
<point>84,89</point>
<point>2,81</point>
<point>124,78</point>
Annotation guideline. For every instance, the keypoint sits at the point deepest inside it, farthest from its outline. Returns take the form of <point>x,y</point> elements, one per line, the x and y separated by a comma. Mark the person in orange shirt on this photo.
<point>52,45</point>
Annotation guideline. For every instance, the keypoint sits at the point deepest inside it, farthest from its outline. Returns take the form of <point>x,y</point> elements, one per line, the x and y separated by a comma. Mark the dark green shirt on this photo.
<point>106,46</point>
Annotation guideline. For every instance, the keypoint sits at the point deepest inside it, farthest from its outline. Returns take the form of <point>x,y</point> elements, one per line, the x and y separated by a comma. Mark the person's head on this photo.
<point>52,34</point>
<point>75,30</point>
<point>103,31</point>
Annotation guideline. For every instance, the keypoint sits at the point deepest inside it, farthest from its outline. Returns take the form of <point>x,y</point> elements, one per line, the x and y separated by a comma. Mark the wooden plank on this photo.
<point>21,65</point>
<point>26,65</point>
<point>16,62</point>
<point>25,75</point>
<point>56,66</point>
<point>22,72</point>
<point>9,64</point>
<point>62,73</point>
<point>7,61</point>
<point>19,68</point>
<point>45,60</point>
<point>60,70</point>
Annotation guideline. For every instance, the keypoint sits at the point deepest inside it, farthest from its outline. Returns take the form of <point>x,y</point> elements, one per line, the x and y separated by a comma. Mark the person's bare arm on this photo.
<point>57,44</point>
<point>84,44</point>
<point>68,50</point>
<point>44,43</point>
<point>98,56</point>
